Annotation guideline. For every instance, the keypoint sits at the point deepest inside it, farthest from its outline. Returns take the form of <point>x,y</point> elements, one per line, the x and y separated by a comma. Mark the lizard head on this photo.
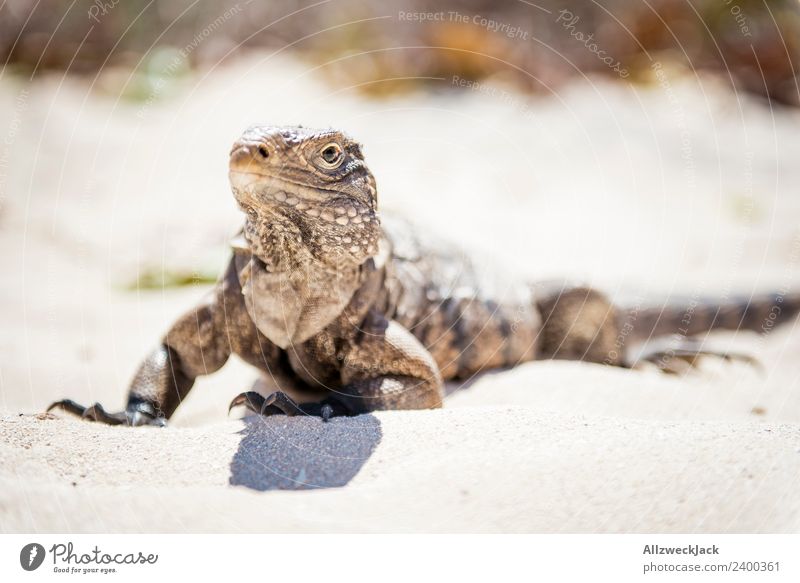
<point>308,194</point>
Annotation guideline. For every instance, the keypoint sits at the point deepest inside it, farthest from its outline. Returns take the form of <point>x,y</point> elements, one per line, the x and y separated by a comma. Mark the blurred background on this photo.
<point>635,145</point>
<point>751,44</point>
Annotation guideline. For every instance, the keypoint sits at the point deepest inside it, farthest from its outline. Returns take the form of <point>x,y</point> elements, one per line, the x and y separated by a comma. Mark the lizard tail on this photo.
<point>759,314</point>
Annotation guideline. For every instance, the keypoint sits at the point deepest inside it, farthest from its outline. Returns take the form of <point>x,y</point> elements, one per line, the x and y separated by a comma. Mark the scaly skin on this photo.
<point>321,293</point>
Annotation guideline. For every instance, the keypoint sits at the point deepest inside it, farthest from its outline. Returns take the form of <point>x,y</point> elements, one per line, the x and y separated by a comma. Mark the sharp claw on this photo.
<point>266,403</point>
<point>69,406</point>
<point>273,404</point>
<point>97,413</point>
<point>237,400</point>
<point>279,402</point>
<point>250,399</point>
<point>93,413</point>
<point>683,358</point>
<point>283,402</point>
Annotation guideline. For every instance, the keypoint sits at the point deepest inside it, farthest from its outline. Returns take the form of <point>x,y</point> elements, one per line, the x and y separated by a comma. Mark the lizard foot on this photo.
<point>136,415</point>
<point>679,358</point>
<point>279,403</point>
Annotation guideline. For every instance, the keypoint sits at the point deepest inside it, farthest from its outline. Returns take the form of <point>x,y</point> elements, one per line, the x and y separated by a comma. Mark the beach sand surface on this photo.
<point>594,184</point>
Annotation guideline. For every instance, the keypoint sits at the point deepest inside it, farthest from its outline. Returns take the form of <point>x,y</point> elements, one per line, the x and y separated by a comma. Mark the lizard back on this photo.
<point>470,317</point>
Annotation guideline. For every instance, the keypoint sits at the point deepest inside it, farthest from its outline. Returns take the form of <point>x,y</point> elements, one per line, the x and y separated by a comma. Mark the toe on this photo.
<point>97,413</point>
<point>283,402</point>
<point>250,399</point>
<point>69,406</point>
<point>93,413</point>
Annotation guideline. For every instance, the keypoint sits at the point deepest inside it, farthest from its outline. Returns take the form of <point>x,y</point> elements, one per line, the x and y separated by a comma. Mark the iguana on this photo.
<point>325,293</point>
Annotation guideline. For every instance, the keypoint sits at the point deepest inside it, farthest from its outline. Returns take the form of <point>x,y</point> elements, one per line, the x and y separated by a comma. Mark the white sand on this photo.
<point>475,469</point>
<point>595,186</point>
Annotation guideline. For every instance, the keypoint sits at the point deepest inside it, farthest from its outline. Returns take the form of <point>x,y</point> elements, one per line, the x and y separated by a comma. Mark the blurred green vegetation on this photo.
<point>163,278</point>
<point>752,44</point>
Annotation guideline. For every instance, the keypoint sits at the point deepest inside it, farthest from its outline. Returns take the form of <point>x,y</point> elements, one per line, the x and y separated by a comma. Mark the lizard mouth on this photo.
<point>259,191</point>
<point>256,190</point>
<point>268,184</point>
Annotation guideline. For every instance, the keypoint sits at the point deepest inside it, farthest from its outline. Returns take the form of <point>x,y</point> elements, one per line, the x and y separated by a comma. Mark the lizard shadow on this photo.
<point>300,453</point>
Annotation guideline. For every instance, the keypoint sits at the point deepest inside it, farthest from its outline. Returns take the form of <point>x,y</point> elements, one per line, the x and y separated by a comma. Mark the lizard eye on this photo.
<point>332,155</point>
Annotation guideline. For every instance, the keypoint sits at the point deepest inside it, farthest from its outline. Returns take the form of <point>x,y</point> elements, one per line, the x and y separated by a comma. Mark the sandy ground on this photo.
<point>674,189</point>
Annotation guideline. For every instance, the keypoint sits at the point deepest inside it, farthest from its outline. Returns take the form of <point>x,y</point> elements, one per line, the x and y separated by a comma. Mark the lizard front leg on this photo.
<point>158,386</point>
<point>195,345</point>
<point>388,368</point>
<point>382,367</point>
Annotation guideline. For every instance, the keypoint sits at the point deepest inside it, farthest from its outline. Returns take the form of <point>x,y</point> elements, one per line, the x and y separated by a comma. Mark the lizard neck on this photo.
<point>285,245</point>
<point>289,307</point>
<point>278,244</point>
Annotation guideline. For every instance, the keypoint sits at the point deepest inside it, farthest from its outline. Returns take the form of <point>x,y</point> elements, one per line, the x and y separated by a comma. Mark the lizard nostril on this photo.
<point>262,150</point>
